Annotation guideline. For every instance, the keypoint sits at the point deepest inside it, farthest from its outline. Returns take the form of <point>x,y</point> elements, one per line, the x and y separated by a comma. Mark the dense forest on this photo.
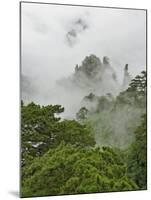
<point>102,149</point>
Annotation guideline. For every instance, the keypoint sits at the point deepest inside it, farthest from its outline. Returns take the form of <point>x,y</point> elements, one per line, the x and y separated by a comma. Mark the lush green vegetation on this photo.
<point>70,170</point>
<point>137,156</point>
<point>42,130</point>
<point>86,155</point>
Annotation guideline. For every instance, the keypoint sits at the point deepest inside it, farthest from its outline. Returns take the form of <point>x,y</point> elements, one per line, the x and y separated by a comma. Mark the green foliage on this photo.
<point>104,103</point>
<point>42,130</point>
<point>135,95</point>
<point>82,114</point>
<point>90,66</point>
<point>38,129</point>
<point>60,156</point>
<point>114,119</point>
<point>137,156</point>
<point>139,84</point>
<point>71,170</point>
<point>75,133</point>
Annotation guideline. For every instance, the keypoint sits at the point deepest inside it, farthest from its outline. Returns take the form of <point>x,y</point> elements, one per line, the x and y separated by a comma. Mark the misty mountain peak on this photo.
<point>90,66</point>
<point>106,60</point>
<point>94,70</point>
<point>126,68</point>
<point>127,78</point>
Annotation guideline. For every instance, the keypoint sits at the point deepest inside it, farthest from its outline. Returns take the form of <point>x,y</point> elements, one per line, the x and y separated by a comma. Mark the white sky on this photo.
<point>46,55</point>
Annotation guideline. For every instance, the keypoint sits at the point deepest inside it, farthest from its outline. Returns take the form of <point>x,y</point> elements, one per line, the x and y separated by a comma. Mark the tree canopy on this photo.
<point>137,156</point>
<point>42,129</point>
<point>70,170</point>
<point>103,150</point>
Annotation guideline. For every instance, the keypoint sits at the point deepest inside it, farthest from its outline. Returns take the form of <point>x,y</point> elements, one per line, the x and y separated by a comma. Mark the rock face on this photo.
<point>96,76</point>
<point>91,79</point>
<point>90,67</point>
<point>127,78</point>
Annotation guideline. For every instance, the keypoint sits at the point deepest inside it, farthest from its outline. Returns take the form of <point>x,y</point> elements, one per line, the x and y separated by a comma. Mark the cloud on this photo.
<point>49,32</point>
<point>77,27</point>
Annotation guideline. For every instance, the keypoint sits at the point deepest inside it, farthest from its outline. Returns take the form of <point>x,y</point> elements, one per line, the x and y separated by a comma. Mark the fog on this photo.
<point>56,38</point>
